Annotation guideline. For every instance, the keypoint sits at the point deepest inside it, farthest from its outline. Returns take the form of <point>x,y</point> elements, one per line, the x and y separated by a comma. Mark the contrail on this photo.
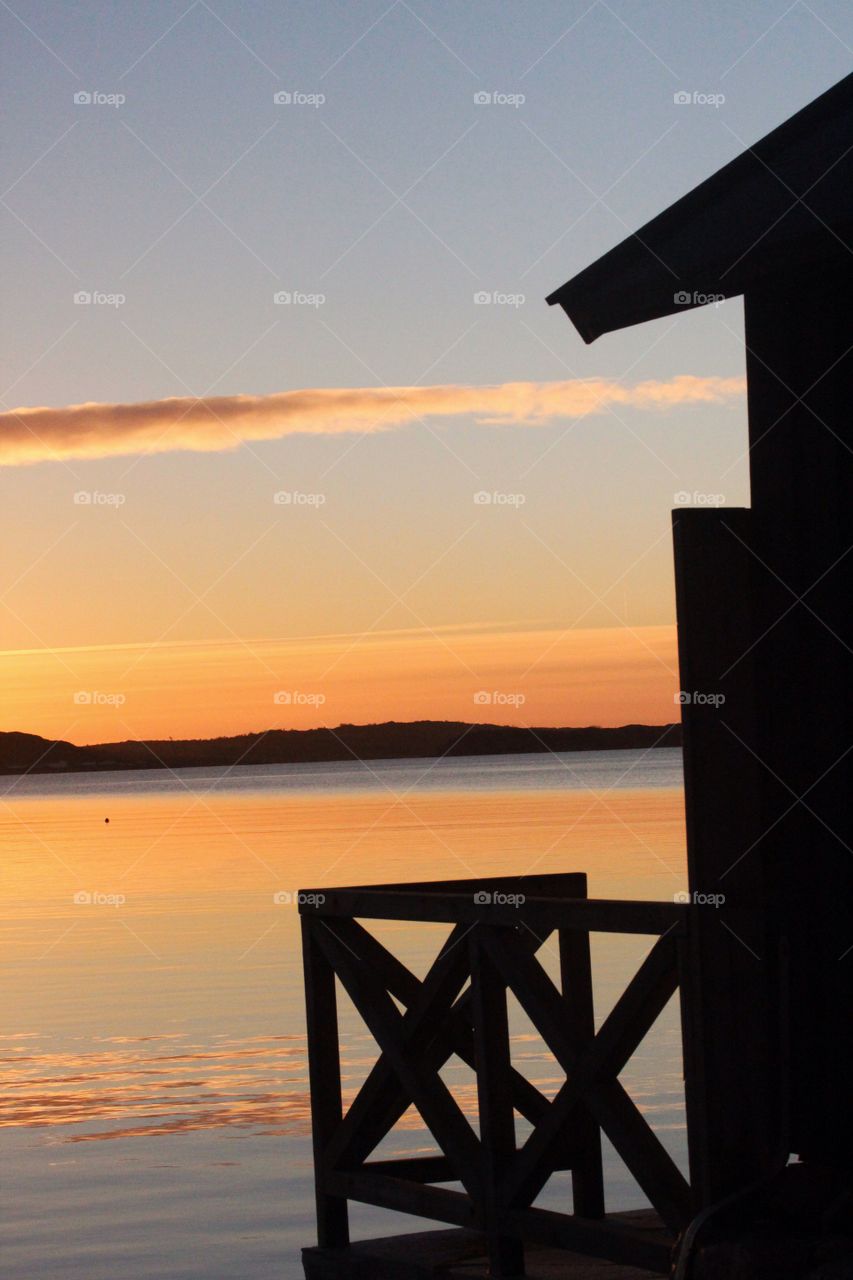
<point>214,423</point>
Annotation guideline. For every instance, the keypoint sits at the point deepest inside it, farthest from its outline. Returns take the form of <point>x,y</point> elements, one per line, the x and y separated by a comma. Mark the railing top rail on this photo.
<point>499,900</point>
<point>568,883</point>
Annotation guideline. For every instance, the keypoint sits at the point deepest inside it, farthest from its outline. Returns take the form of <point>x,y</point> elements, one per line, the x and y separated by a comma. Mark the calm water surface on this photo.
<point>156,1101</point>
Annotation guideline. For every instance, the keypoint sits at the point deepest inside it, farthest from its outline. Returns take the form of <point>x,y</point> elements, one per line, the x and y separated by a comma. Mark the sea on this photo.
<point>156,1108</point>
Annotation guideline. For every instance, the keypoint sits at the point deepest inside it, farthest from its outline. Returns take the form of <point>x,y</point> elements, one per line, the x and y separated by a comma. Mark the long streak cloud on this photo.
<point>210,424</point>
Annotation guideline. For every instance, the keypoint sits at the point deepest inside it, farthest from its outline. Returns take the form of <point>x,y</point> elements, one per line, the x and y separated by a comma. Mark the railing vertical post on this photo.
<point>494,1091</point>
<point>696,1096</point>
<point>324,1074</point>
<point>576,981</point>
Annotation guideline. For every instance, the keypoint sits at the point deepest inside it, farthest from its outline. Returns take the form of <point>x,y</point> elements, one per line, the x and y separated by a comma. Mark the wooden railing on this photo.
<point>460,1008</point>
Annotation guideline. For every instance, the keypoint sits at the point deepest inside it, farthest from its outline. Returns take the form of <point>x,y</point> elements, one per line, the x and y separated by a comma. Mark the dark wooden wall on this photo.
<point>799,335</point>
<point>765,597</point>
<point>732,1010</point>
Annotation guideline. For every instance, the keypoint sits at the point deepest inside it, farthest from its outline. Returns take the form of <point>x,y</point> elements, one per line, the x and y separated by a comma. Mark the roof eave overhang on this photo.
<point>785,204</point>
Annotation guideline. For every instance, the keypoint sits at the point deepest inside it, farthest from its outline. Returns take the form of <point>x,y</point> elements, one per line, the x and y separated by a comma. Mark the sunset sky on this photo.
<point>409,490</point>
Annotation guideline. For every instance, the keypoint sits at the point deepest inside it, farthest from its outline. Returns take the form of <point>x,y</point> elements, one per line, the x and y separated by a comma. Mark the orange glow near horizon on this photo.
<point>606,676</point>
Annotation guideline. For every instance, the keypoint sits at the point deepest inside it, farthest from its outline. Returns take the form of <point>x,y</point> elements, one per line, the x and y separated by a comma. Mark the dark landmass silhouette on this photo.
<point>28,753</point>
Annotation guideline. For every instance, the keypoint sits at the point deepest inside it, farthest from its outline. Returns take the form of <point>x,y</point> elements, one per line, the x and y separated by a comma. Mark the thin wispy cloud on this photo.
<point>211,424</point>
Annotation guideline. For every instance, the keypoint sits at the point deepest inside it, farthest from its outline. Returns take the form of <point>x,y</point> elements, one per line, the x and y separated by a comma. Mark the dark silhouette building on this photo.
<point>764,619</point>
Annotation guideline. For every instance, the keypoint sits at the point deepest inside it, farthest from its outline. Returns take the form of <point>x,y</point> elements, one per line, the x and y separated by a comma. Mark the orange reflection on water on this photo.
<point>170,999</point>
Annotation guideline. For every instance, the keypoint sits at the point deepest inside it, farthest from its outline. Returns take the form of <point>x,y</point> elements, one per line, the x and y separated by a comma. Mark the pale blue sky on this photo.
<point>601,99</point>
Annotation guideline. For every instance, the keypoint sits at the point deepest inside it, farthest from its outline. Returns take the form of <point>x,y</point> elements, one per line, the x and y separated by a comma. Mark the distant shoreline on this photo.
<point>421,739</point>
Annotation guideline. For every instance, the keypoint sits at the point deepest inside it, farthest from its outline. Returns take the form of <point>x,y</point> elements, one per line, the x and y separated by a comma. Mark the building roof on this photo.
<point>785,203</point>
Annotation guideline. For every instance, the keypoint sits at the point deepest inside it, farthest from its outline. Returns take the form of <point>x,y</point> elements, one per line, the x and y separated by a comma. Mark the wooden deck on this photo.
<point>454,1255</point>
